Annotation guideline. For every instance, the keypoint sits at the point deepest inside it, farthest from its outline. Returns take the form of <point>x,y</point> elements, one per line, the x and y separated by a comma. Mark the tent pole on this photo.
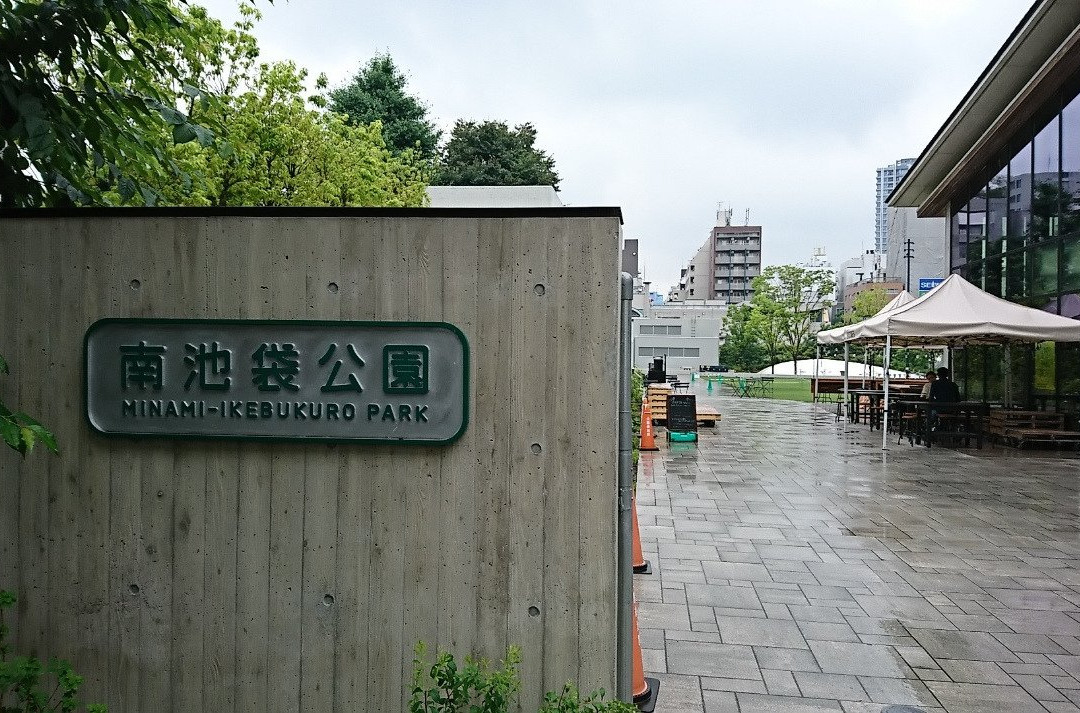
<point>865,363</point>
<point>885,414</point>
<point>817,360</point>
<point>1008,376</point>
<point>846,369</point>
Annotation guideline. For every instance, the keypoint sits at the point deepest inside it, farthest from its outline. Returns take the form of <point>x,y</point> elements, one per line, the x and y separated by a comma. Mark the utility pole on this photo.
<point>909,252</point>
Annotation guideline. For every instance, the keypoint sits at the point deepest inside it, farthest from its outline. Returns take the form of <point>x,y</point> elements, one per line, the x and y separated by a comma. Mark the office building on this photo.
<point>685,334</point>
<point>724,267</point>
<point>887,179</point>
<point>918,247</point>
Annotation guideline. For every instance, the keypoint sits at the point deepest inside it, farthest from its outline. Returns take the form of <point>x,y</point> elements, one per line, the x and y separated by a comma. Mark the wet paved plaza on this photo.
<point>797,568</point>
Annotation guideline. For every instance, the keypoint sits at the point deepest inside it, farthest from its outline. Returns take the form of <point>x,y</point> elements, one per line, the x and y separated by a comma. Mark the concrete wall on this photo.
<point>229,576</point>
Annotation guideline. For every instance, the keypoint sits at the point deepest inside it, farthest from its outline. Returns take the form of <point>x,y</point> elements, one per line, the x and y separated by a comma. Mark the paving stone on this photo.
<point>720,702</point>
<point>780,683</point>
<point>652,615</point>
<point>858,659</point>
<point>967,645</point>
<point>752,703</point>
<point>718,595</point>
<point>830,685</point>
<point>826,631</point>
<point>760,632</point>
<point>709,659</point>
<point>785,659</point>
<point>982,698</point>
<point>974,671</point>
<point>940,563</point>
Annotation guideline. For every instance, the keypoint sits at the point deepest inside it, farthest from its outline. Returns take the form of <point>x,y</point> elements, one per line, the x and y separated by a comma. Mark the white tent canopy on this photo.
<point>953,313</point>
<point>958,312</point>
<point>838,335</point>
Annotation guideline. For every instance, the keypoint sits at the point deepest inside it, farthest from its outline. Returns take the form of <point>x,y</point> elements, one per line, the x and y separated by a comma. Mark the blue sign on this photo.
<point>928,283</point>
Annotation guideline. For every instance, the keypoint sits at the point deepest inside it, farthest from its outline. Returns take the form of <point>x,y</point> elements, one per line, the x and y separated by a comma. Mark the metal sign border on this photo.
<point>279,322</point>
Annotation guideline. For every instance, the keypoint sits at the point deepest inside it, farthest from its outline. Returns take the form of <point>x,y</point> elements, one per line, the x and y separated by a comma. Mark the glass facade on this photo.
<point>1016,233</point>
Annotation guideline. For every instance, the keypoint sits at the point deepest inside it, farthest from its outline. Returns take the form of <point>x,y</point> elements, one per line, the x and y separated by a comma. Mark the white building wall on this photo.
<point>687,340</point>
<point>929,248</point>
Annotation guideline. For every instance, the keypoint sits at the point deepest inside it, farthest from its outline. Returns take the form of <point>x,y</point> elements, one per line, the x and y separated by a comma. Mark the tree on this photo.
<point>791,299</point>
<point>742,349</point>
<point>274,146</point>
<point>767,322</point>
<point>377,93</point>
<point>866,304</point>
<point>491,154</point>
<point>88,84</point>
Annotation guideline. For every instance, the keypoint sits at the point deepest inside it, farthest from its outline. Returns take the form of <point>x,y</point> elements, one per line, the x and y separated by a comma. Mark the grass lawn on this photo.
<point>792,389</point>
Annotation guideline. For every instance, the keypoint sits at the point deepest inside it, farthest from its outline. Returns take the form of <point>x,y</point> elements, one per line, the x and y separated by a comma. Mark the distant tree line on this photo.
<point>155,102</point>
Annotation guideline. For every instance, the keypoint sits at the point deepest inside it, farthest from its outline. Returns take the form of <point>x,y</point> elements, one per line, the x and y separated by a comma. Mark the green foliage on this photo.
<point>492,154</point>
<point>89,84</point>
<point>788,301</point>
<point>274,145</point>
<point>569,701</point>
<point>20,431</point>
<point>474,688</point>
<point>377,93</point>
<point>29,686</point>
<point>742,349</point>
<point>866,304</point>
<point>637,392</point>
<point>1045,368</point>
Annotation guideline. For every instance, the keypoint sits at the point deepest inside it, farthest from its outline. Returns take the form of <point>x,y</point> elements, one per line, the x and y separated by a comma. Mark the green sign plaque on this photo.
<point>392,382</point>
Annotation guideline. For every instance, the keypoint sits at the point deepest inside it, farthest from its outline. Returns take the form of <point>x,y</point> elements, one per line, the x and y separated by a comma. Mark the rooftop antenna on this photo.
<point>747,217</point>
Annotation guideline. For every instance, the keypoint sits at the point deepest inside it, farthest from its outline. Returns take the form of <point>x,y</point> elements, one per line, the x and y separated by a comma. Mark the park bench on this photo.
<point>1016,428</point>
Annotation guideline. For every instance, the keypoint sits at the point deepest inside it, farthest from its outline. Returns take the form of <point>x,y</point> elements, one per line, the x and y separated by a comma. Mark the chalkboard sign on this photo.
<point>682,413</point>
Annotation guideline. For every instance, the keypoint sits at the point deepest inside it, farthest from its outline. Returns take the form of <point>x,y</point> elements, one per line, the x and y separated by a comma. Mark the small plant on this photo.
<point>19,430</point>
<point>569,701</point>
<point>24,681</point>
<point>477,688</point>
<point>474,688</point>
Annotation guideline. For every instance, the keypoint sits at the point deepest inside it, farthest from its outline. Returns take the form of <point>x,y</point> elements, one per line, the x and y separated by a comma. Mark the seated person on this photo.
<point>930,377</point>
<point>944,389</point>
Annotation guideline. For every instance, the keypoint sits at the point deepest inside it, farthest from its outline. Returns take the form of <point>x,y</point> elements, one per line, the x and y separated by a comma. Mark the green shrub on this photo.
<point>473,688</point>
<point>29,686</point>
<point>476,687</point>
<point>569,701</point>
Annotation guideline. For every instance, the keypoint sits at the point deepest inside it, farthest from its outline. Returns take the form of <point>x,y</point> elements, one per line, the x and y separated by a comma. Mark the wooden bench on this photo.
<point>707,416</point>
<point>657,395</point>
<point>1015,428</point>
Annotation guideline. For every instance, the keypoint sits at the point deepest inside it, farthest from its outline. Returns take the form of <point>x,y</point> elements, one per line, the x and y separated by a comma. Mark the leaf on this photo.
<point>183,133</point>
<point>205,136</point>
<point>10,432</point>
<point>45,436</point>
<point>3,365</point>
<point>28,439</point>
<point>172,116</point>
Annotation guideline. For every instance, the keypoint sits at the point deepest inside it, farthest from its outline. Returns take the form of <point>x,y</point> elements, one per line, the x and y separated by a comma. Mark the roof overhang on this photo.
<point>1035,61</point>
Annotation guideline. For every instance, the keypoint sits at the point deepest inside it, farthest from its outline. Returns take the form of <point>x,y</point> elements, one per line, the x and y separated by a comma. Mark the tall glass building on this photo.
<point>1013,200</point>
<point>887,178</point>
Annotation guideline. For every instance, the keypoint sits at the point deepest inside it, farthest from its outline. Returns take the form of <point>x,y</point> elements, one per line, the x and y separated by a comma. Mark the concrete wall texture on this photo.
<point>238,576</point>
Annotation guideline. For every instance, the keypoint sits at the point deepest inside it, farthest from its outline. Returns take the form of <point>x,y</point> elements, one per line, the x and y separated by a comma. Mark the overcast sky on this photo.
<point>665,109</point>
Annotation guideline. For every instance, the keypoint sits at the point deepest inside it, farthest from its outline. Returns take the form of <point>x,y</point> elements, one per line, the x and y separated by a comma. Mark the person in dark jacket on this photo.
<point>944,389</point>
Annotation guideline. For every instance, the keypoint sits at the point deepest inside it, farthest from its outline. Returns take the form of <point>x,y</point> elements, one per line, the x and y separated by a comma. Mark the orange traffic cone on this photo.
<point>643,689</point>
<point>648,443</point>
<point>641,565</point>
